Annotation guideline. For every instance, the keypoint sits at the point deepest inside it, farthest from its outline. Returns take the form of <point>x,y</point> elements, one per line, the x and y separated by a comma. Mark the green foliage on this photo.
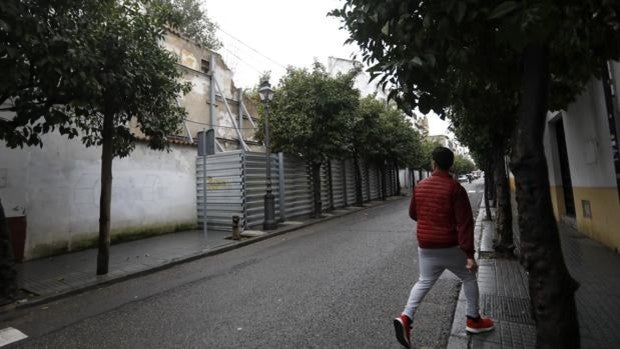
<point>418,47</point>
<point>483,116</point>
<point>366,129</point>
<point>102,58</point>
<point>311,113</point>
<point>400,143</point>
<point>190,19</point>
<point>462,165</point>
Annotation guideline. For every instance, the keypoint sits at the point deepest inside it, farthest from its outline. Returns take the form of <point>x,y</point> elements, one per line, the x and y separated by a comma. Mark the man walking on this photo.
<point>445,232</point>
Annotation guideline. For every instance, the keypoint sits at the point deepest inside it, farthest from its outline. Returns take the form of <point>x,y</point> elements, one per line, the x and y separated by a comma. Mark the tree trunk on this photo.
<point>8,275</point>
<point>491,187</point>
<point>359,197</point>
<point>330,185</point>
<point>552,289</point>
<point>382,181</point>
<point>107,154</point>
<point>487,190</point>
<point>316,187</point>
<point>503,218</point>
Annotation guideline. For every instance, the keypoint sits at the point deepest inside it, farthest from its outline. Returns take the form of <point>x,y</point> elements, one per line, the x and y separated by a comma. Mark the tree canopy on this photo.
<point>190,18</point>
<point>311,113</point>
<point>462,165</point>
<point>374,120</point>
<point>101,58</point>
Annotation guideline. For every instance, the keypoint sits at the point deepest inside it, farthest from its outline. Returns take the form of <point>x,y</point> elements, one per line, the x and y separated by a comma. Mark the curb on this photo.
<point>459,338</point>
<point>7,310</point>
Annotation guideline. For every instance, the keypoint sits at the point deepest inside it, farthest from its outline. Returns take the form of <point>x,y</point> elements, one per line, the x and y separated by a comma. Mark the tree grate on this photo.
<point>507,308</point>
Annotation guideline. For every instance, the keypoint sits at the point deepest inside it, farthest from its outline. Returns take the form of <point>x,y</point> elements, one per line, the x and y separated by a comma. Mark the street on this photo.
<point>335,284</point>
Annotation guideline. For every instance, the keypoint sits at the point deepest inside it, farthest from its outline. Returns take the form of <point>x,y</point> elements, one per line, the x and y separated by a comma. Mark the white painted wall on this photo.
<point>57,188</point>
<point>587,141</point>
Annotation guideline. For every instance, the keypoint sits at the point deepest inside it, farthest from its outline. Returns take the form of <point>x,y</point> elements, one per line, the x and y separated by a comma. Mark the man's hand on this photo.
<point>471,265</point>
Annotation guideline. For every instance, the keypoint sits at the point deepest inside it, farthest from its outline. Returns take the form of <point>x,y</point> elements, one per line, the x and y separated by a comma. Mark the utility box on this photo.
<point>206,142</point>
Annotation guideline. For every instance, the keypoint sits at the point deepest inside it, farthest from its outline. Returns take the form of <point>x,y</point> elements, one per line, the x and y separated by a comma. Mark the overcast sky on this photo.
<point>268,35</point>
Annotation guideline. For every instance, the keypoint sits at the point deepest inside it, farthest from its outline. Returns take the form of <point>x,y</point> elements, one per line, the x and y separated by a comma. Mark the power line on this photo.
<point>243,61</point>
<point>251,48</point>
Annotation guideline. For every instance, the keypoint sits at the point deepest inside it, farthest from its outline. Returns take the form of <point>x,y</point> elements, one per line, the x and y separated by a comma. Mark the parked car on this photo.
<point>463,178</point>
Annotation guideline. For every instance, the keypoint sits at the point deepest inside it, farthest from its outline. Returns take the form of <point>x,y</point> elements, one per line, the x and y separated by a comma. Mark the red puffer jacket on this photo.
<point>441,207</point>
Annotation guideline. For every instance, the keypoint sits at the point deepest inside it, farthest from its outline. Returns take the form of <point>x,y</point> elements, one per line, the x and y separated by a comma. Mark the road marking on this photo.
<point>10,335</point>
<point>471,191</point>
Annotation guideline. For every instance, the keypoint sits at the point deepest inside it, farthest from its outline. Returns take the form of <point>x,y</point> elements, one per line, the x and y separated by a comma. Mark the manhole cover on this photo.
<point>507,308</point>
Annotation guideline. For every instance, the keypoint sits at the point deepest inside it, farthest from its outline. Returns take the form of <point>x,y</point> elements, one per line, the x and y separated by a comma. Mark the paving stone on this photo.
<point>457,342</point>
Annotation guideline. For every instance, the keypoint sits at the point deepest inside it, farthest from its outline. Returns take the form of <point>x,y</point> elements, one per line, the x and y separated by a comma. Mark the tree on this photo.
<point>462,165</point>
<point>415,46</point>
<point>33,58</point>
<point>190,19</point>
<point>90,72</point>
<point>311,113</point>
<point>486,129</point>
<point>372,123</point>
<point>365,137</point>
<point>403,145</point>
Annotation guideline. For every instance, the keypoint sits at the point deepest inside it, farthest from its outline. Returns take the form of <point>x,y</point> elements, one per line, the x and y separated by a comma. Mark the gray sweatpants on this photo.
<point>432,263</point>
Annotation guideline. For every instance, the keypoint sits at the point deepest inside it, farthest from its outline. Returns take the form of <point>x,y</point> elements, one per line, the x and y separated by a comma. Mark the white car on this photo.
<point>463,178</point>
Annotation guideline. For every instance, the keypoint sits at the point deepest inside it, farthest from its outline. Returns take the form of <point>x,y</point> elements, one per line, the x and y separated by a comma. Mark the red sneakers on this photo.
<point>482,324</point>
<point>402,325</point>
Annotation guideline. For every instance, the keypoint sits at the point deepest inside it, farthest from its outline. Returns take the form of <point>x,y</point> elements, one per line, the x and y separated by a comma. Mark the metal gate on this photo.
<point>338,184</point>
<point>298,200</point>
<point>350,176</point>
<point>373,179</point>
<point>365,170</point>
<point>255,175</point>
<point>224,189</point>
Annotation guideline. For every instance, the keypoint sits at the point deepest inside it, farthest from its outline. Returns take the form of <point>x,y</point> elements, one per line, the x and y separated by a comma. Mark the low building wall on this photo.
<point>56,189</point>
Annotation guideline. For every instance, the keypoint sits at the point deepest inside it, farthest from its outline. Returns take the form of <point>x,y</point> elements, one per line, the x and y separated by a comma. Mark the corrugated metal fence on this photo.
<point>255,174</point>
<point>236,187</point>
<point>298,199</point>
<point>225,189</point>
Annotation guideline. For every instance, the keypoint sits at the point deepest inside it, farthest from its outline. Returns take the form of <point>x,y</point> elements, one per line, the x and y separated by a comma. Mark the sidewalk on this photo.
<point>504,293</point>
<point>50,278</point>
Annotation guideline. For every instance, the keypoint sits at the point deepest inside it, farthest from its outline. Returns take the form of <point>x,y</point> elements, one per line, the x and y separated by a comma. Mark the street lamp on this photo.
<point>266,95</point>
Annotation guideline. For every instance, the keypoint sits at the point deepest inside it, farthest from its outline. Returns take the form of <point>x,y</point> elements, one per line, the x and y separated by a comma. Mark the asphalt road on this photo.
<point>336,284</point>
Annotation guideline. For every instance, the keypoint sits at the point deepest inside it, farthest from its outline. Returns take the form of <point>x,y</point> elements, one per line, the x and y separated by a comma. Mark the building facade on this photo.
<point>584,165</point>
<point>214,101</point>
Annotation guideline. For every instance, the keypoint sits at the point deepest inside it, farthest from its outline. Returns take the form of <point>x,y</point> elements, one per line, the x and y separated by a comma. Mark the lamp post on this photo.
<point>266,95</point>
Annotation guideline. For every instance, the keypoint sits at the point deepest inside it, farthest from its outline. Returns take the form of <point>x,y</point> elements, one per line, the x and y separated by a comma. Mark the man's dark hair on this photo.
<point>444,158</point>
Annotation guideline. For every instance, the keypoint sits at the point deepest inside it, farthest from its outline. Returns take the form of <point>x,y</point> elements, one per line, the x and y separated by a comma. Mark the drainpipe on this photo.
<point>212,91</point>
